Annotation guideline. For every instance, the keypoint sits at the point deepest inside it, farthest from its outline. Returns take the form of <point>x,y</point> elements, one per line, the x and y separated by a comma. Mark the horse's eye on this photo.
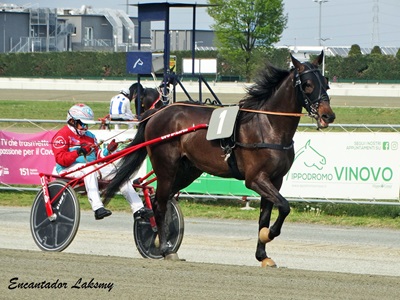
<point>308,87</point>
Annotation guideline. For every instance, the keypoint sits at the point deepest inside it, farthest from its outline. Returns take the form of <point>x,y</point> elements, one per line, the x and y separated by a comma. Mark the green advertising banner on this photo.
<point>370,170</point>
<point>210,184</point>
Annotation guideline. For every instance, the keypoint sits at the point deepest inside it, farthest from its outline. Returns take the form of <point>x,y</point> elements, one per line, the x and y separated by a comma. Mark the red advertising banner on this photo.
<point>23,156</point>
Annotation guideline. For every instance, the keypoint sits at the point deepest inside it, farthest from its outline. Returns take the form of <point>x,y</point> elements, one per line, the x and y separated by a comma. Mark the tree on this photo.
<point>245,29</point>
<point>355,50</point>
<point>376,50</point>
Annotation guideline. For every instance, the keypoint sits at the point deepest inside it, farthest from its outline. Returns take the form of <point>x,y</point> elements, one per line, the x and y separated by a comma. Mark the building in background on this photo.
<point>27,29</point>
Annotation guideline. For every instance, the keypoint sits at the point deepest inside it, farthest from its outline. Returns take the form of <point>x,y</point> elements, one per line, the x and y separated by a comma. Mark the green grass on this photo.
<point>56,110</point>
<point>360,116</point>
<point>43,110</point>
<point>49,110</point>
<point>367,115</point>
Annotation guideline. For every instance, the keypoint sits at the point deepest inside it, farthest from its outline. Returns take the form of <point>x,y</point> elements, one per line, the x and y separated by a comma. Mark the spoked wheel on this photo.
<point>146,239</point>
<point>57,234</point>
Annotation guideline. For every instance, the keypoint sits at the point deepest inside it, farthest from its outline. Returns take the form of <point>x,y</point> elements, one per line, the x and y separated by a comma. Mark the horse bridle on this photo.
<point>311,105</point>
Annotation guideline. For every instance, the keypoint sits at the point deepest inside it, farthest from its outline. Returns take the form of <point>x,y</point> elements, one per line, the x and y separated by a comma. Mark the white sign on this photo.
<point>344,166</point>
<point>201,66</point>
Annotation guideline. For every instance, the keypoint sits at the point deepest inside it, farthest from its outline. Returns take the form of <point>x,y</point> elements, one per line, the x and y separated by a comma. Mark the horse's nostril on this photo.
<point>329,118</point>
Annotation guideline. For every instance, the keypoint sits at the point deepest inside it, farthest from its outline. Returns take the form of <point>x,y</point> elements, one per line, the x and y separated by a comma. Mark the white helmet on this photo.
<point>81,112</point>
<point>126,92</point>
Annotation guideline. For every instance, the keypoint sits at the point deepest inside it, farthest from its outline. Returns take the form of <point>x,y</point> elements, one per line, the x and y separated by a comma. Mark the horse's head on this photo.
<point>135,89</point>
<point>313,87</point>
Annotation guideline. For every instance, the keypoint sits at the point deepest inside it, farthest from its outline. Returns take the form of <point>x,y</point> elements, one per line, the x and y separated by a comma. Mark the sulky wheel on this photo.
<point>57,234</point>
<point>146,239</point>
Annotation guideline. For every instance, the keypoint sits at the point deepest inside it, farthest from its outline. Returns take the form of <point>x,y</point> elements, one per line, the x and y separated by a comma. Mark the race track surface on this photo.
<point>110,277</point>
<point>315,262</point>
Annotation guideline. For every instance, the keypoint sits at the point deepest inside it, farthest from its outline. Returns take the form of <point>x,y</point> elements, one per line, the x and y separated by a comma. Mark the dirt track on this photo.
<point>127,278</point>
<point>103,252</point>
<point>130,278</point>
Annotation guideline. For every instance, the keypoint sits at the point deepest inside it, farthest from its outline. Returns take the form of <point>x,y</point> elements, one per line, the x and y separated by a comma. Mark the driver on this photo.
<point>120,107</point>
<point>73,146</point>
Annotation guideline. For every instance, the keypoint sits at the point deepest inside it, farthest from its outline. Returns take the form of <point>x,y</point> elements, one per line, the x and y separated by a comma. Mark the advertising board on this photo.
<point>326,164</point>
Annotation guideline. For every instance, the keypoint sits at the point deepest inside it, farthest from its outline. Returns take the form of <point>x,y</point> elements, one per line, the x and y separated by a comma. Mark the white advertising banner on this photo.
<point>344,166</point>
<point>202,66</point>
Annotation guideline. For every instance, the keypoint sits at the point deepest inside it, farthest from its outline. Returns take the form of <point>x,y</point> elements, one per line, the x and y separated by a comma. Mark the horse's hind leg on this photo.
<point>160,210</point>
<point>185,174</point>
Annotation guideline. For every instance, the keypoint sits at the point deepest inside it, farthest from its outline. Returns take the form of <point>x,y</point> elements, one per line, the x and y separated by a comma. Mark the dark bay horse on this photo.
<point>149,97</point>
<point>267,121</point>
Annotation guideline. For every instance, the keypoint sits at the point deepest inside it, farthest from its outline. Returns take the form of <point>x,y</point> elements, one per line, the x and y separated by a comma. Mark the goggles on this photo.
<point>81,124</point>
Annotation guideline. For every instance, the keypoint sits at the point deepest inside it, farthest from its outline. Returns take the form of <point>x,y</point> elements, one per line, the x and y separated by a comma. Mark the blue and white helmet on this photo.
<point>81,112</point>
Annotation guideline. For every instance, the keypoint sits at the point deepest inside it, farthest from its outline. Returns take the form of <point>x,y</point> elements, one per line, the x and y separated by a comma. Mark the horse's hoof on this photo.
<point>268,262</point>
<point>263,235</point>
<point>172,256</point>
<point>157,241</point>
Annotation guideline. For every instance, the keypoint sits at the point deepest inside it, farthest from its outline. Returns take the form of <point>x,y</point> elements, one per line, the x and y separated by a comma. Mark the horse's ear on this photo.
<point>307,144</point>
<point>318,61</point>
<point>298,65</point>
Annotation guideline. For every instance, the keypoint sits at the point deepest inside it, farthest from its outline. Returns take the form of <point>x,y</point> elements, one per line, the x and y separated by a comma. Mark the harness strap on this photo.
<point>234,167</point>
<point>155,101</point>
<point>265,145</point>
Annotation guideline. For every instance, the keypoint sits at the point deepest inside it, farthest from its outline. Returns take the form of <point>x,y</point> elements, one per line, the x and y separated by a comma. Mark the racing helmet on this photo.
<point>126,92</point>
<point>80,114</point>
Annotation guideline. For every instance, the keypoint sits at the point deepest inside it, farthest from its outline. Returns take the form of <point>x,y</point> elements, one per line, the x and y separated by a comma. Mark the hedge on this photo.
<point>372,67</point>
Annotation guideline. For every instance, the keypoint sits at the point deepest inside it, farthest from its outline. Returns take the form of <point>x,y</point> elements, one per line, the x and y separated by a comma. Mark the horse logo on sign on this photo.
<point>309,157</point>
<point>139,62</point>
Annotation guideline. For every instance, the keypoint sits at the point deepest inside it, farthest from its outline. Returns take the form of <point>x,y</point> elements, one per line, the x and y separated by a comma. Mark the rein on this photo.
<point>244,109</point>
<point>273,113</point>
<point>156,101</point>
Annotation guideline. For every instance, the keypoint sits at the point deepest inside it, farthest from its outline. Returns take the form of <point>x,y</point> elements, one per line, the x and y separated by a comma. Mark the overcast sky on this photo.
<point>343,22</point>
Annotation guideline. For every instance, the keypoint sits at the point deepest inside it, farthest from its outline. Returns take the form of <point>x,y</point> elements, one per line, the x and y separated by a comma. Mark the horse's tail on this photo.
<point>129,164</point>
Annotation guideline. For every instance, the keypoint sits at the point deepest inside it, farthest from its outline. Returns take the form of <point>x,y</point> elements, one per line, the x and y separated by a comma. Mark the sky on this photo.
<point>343,22</point>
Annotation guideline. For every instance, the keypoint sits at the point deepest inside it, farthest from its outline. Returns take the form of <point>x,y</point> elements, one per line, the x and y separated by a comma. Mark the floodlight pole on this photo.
<point>320,18</point>
<point>193,38</point>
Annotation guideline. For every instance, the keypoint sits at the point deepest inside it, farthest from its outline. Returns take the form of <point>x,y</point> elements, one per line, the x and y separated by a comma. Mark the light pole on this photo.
<point>323,59</point>
<point>129,42</point>
<point>320,14</point>
<point>115,43</point>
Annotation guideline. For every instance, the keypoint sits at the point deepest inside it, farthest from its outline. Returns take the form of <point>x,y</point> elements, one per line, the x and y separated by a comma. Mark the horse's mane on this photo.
<point>265,85</point>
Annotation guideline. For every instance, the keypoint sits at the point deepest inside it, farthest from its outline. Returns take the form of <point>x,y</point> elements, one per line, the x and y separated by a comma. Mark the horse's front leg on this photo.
<point>263,232</point>
<point>269,196</point>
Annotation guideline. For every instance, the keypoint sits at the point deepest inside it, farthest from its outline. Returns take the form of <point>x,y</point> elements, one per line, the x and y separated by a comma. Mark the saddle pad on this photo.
<point>222,123</point>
